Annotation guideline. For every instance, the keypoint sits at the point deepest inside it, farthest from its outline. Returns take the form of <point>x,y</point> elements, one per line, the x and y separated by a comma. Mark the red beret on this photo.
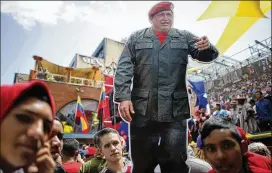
<point>160,7</point>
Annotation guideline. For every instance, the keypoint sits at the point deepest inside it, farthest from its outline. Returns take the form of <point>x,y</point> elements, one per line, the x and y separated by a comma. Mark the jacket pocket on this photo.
<point>139,99</point>
<point>164,104</point>
<point>179,52</point>
<point>181,104</point>
<point>143,45</point>
<point>144,53</point>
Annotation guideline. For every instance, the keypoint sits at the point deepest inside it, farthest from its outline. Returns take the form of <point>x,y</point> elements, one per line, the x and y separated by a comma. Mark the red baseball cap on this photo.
<point>161,6</point>
<point>11,93</point>
<point>89,151</point>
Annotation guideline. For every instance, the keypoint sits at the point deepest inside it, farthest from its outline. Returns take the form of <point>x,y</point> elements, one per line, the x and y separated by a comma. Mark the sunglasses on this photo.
<point>60,136</point>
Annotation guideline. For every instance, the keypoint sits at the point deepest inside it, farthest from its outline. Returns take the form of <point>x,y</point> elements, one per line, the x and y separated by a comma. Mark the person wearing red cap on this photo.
<point>27,113</point>
<point>89,153</point>
<point>226,149</point>
<point>156,59</point>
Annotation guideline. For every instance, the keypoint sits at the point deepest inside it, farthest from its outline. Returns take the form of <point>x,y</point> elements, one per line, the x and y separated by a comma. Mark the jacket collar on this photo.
<point>150,33</point>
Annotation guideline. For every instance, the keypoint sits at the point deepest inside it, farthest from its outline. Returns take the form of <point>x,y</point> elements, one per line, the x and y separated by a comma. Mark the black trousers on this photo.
<point>159,143</point>
<point>265,125</point>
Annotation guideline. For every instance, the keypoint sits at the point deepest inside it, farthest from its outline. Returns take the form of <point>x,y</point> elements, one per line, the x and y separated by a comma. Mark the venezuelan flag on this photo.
<point>101,106</point>
<point>81,119</point>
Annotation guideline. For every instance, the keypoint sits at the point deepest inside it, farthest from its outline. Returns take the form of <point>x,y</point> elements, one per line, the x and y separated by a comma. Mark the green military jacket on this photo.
<point>157,73</point>
<point>94,165</point>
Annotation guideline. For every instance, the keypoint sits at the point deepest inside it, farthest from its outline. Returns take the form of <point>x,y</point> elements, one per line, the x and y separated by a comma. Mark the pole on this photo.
<point>75,114</point>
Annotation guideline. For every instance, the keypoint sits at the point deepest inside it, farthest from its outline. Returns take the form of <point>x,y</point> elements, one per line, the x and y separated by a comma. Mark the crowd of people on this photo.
<point>154,61</point>
<point>246,87</point>
<point>32,141</point>
<point>246,103</point>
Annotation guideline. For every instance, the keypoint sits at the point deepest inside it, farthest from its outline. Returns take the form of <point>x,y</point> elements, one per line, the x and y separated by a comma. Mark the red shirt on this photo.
<point>71,167</point>
<point>257,163</point>
<point>161,35</point>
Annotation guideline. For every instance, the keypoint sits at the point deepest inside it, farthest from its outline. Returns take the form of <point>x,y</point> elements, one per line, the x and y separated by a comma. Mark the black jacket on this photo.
<point>159,74</point>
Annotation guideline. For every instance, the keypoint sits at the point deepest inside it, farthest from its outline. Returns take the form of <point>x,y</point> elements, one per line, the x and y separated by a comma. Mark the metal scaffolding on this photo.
<point>225,64</point>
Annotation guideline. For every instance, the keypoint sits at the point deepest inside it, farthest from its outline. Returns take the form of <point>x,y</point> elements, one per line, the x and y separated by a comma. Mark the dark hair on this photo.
<point>102,133</point>
<point>259,92</point>
<point>212,124</point>
<point>70,147</point>
<point>252,101</point>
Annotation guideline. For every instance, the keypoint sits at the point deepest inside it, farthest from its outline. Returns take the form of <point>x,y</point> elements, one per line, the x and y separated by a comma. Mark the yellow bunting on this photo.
<point>237,26</point>
<point>232,9</point>
<point>250,9</point>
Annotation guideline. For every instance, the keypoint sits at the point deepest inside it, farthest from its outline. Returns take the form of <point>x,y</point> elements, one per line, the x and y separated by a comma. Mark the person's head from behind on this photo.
<point>84,146</point>
<point>259,148</point>
<point>223,146</point>
<point>56,138</point>
<point>218,107</point>
<point>109,142</point>
<point>70,149</point>
<point>250,94</point>
<point>161,16</point>
<point>27,112</point>
<point>259,95</point>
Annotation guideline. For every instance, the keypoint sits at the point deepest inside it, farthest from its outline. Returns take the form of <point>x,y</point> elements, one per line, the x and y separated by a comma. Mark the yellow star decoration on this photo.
<point>243,14</point>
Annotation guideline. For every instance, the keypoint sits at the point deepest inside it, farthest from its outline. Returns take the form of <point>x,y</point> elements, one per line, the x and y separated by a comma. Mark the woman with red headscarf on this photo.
<point>27,113</point>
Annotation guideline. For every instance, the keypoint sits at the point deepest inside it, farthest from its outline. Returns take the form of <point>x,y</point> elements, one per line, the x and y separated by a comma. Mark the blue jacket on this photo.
<point>264,110</point>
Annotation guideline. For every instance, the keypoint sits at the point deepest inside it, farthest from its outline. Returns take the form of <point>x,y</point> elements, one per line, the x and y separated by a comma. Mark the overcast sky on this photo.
<point>59,30</point>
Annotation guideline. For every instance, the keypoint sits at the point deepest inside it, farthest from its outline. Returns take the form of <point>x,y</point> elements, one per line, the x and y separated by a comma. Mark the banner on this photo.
<point>199,89</point>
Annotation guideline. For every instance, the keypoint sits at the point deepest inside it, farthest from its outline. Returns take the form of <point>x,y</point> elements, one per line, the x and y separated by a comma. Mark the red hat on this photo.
<point>197,111</point>
<point>161,6</point>
<point>91,150</point>
<point>11,93</point>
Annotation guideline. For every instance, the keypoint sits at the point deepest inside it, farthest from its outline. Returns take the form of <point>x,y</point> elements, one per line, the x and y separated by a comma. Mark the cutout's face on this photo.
<point>24,130</point>
<point>56,139</point>
<point>111,147</point>
<point>223,152</point>
<point>162,21</point>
